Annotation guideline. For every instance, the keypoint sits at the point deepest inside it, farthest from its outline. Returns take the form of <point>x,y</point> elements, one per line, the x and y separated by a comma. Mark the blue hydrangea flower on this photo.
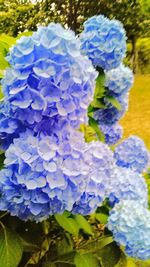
<point>110,114</point>
<point>125,185</point>
<point>43,174</point>
<point>103,41</point>
<point>49,77</point>
<point>99,158</point>
<point>129,221</point>
<point>119,80</point>
<point>9,127</point>
<point>112,133</point>
<point>132,153</point>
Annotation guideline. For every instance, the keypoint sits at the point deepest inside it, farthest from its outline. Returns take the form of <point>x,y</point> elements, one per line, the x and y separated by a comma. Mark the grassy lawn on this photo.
<point>137,120</point>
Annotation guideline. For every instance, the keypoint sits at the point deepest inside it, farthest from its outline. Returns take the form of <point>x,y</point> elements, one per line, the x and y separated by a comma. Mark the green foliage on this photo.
<point>101,217</point>
<point>143,48</point>
<point>89,133</point>
<point>93,123</point>
<point>73,223</point>
<point>99,92</point>
<point>15,16</point>
<point>112,100</point>
<point>86,260</point>
<point>109,255</point>
<point>68,223</point>
<point>5,43</point>
<point>2,157</point>
<point>83,224</point>
<point>143,55</point>
<point>10,248</point>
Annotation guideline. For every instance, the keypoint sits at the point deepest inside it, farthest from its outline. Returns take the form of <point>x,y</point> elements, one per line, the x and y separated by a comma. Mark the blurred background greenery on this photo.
<point>17,16</point>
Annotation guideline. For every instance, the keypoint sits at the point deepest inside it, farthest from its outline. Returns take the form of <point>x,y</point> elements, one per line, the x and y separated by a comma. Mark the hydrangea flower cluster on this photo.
<point>45,175</point>
<point>126,184</point>
<point>103,41</point>
<point>49,77</point>
<point>130,223</point>
<point>112,133</point>
<point>132,153</point>
<point>119,80</point>
<point>100,159</point>
<point>49,168</point>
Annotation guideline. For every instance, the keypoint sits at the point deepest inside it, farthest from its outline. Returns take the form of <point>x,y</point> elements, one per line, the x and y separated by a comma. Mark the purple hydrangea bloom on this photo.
<point>103,41</point>
<point>119,80</point>
<point>49,77</point>
<point>99,158</point>
<point>9,127</point>
<point>126,184</point>
<point>132,153</point>
<point>112,133</point>
<point>129,221</point>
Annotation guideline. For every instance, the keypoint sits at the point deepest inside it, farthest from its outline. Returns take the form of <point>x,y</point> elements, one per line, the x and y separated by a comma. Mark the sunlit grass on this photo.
<point>137,119</point>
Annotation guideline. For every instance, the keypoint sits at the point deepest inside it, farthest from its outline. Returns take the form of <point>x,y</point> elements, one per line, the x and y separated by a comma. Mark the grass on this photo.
<point>137,120</point>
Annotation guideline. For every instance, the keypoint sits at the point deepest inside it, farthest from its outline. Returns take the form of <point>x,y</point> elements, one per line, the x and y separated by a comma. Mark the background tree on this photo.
<point>19,15</point>
<point>14,16</point>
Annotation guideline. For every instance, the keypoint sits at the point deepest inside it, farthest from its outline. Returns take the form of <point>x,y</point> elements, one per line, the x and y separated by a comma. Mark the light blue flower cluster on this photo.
<point>45,175</point>
<point>126,184</point>
<point>119,80</point>
<point>132,153</point>
<point>103,41</point>
<point>130,223</point>
<point>100,159</point>
<point>49,77</point>
<point>112,133</point>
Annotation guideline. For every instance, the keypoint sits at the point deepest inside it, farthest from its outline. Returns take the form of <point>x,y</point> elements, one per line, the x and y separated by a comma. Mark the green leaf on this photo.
<point>2,157</point>
<point>8,40</point>
<point>83,224</point>
<point>97,103</point>
<point>101,217</point>
<point>86,260</point>
<point>64,246</point>
<point>100,86</point>
<point>114,102</point>
<point>89,133</point>
<point>10,248</point>
<point>67,223</point>
<point>109,255</point>
<point>93,123</point>
<point>95,246</point>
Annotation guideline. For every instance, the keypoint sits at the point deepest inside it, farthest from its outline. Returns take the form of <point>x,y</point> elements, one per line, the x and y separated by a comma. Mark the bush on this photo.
<point>143,55</point>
